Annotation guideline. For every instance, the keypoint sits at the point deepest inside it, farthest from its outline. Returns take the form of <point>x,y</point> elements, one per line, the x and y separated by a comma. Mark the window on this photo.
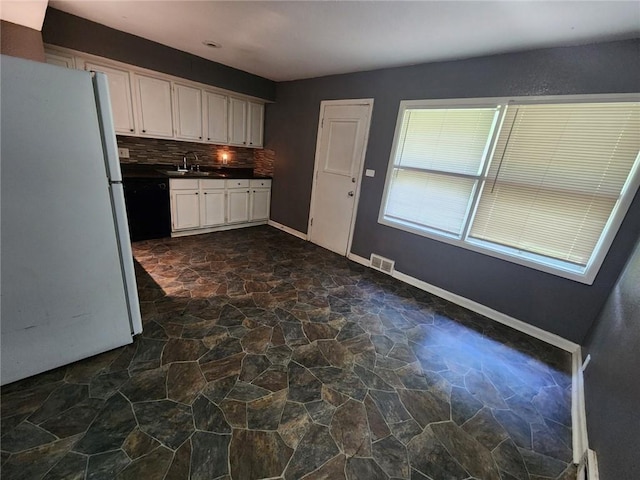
<point>542,184</point>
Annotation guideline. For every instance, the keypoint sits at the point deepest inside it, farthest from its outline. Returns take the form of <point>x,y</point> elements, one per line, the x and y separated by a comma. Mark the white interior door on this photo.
<point>342,141</point>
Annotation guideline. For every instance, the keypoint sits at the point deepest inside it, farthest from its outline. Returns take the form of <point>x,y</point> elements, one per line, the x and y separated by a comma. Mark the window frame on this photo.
<point>549,265</point>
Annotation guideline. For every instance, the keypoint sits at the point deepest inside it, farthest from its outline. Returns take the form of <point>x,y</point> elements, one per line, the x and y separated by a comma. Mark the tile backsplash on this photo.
<point>155,150</point>
<point>264,160</point>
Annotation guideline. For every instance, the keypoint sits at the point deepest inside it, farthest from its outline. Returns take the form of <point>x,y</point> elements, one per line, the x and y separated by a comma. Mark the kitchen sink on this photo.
<point>175,173</point>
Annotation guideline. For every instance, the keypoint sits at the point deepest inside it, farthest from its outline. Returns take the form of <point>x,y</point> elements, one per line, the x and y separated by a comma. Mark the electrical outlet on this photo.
<point>123,152</point>
<point>370,173</point>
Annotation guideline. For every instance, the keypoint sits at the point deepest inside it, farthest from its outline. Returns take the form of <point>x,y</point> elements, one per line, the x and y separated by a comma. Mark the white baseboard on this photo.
<point>578,409</point>
<point>358,259</point>
<point>540,334</point>
<point>592,464</point>
<point>221,228</point>
<point>288,230</point>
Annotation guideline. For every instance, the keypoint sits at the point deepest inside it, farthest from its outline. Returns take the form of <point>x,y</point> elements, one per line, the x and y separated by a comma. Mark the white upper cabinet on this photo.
<point>246,121</point>
<point>188,112</point>
<point>215,117</point>
<point>237,121</point>
<point>255,124</point>
<point>154,106</point>
<point>151,104</point>
<point>120,94</point>
<point>60,59</point>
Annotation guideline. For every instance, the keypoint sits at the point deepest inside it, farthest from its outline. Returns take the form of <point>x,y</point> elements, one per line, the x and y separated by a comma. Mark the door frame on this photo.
<point>324,103</point>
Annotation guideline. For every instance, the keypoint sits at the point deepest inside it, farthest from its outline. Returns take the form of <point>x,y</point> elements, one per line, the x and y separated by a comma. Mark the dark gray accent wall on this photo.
<point>20,41</point>
<point>554,304</point>
<point>66,30</point>
<point>612,379</point>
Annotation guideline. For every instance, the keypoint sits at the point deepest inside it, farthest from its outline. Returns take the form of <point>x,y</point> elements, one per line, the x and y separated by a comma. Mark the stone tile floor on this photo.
<point>266,357</point>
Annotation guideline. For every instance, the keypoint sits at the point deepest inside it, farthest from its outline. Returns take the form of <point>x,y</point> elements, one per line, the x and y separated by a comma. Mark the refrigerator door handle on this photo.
<point>126,256</point>
<point>105,117</point>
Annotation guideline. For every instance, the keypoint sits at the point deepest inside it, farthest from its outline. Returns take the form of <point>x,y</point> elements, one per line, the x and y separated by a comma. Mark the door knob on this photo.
<point>351,193</point>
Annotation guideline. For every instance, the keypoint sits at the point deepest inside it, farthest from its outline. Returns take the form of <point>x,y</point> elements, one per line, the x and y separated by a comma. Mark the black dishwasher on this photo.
<point>148,207</point>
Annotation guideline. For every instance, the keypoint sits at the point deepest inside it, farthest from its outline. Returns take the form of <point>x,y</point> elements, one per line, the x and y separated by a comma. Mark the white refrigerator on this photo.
<point>67,284</point>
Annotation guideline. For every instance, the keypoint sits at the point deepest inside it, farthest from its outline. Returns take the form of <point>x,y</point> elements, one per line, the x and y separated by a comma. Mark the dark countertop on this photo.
<point>136,170</point>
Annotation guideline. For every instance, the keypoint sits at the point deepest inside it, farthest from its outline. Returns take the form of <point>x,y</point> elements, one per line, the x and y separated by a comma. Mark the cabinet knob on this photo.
<point>131,129</point>
<point>196,193</point>
<point>208,138</point>
<point>200,137</point>
<point>144,131</point>
<point>247,191</point>
<point>204,193</point>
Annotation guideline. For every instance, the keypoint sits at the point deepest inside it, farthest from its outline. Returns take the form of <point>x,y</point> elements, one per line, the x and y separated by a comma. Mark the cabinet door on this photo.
<point>216,117</point>
<point>237,121</point>
<point>59,59</point>
<point>120,93</point>
<point>260,203</point>
<point>185,209</point>
<point>188,112</point>
<point>255,124</point>
<point>154,106</point>
<point>237,205</point>
<point>212,208</point>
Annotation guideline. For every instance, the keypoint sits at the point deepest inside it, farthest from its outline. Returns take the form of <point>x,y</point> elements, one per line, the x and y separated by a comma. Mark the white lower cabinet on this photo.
<point>185,204</point>
<point>199,206</point>
<point>212,203</point>
<point>185,209</point>
<point>260,200</point>
<point>237,201</point>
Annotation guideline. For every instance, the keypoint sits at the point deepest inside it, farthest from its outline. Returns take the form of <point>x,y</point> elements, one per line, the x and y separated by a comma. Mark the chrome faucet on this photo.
<point>185,168</point>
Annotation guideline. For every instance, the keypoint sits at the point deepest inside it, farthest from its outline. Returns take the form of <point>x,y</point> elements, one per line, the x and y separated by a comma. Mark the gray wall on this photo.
<point>557,305</point>
<point>20,41</point>
<point>69,31</point>
<point>612,379</point>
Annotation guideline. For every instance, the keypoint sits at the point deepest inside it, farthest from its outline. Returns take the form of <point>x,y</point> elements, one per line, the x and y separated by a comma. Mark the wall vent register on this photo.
<point>382,264</point>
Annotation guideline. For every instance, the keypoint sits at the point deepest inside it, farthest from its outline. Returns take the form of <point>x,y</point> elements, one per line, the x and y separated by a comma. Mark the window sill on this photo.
<point>585,275</point>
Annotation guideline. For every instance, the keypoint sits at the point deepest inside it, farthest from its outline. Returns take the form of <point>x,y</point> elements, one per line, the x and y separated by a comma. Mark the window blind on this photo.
<point>450,140</point>
<point>556,175</point>
<point>438,201</point>
<point>437,163</point>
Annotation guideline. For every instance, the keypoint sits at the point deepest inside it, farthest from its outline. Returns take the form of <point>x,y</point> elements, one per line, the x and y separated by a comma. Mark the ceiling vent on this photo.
<point>382,264</point>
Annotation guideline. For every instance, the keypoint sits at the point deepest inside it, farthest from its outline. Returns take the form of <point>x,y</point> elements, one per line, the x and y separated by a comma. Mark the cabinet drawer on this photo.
<point>207,184</point>
<point>261,183</point>
<point>237,183</point>
<point>183,183</point>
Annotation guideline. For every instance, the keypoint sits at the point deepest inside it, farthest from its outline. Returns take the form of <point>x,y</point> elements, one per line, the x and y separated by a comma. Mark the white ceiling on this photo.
<point>303,39</point>
<point>29,13</point>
